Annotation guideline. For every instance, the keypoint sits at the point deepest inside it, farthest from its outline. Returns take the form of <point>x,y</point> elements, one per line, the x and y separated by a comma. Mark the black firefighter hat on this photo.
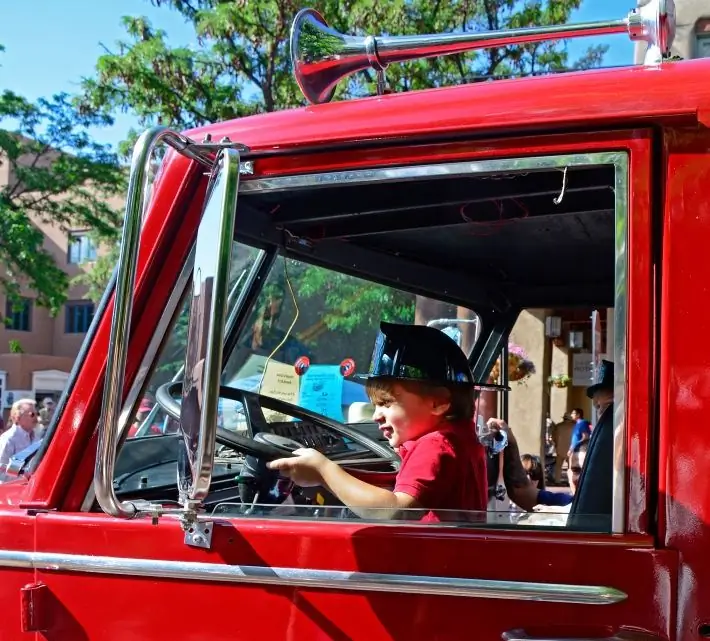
<point>418,353</point>
<point>605,378</point>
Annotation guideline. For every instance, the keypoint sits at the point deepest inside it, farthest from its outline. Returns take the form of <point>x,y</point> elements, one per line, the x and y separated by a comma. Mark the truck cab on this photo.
<point>256,265</point>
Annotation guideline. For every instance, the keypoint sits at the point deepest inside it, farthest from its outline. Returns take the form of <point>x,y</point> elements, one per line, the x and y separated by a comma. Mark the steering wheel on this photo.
<point>264,445</point>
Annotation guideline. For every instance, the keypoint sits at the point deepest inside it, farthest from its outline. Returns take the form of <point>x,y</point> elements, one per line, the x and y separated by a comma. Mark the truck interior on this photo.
<point>319,260</point>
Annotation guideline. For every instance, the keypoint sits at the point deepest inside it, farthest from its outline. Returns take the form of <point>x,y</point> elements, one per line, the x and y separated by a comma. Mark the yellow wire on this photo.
<point>290,329</point>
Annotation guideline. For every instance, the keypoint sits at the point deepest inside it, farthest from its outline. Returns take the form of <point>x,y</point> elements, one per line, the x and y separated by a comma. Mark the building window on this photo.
<point>78,317</point>
<point>18,315</point>
<point>81,248</point>
<point>702,38</point>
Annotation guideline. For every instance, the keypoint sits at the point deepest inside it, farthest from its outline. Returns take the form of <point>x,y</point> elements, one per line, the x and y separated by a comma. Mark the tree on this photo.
<point>57,175</point>
<point>242,66</point>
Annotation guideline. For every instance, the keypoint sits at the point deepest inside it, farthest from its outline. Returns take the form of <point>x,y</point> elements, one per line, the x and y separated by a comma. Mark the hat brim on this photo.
<point>476,386</point>
<point>591,391</point>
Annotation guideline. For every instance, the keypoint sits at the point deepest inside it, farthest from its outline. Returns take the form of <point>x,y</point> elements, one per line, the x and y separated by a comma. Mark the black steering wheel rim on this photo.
<point>252,404</point>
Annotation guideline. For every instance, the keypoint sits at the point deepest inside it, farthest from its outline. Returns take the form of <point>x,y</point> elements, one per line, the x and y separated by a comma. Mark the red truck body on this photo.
<point>70,572</point>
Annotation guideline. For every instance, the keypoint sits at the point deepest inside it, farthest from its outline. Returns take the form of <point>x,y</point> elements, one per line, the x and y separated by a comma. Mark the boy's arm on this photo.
<point>367,501</point>
<point>311,468</point>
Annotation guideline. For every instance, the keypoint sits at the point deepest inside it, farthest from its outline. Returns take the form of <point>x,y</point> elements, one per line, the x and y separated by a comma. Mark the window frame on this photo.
<point>68,320</point>
<point>81,236</point>
<point>620,159</point>
<point>11,314</point>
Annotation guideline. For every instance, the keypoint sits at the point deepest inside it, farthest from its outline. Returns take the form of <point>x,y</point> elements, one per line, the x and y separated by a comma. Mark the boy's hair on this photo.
<point>579,411</point>
<point>532,466</point>
<point>461,398</point>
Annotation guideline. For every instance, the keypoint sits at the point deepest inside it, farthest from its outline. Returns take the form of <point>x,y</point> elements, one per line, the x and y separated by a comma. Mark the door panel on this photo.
<point>127,606</point>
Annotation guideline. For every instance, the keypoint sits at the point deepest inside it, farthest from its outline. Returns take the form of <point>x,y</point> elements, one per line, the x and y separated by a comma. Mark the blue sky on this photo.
<point>52,44</point>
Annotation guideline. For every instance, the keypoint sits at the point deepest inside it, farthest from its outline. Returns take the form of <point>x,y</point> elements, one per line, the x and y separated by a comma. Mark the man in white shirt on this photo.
<point>20,435</point>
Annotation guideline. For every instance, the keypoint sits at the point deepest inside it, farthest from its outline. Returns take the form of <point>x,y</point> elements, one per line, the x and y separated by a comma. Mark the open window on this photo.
<point>473,248</point>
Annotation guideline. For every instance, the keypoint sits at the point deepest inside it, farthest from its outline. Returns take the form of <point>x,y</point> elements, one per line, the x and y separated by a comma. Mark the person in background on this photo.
<point>23,420</point>
<point>46,412</point>
<point>143,411</point>
<point>576,463</point>
<point>581,431</point>
<point>536,474</point>
<point>561,433</point>
<point>534,470</point>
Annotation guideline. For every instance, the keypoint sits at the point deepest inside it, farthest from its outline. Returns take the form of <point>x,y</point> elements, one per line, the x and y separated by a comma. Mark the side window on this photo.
<point>18,315</point>
<point>81,248</point>
<point>309,335</point>
<point>554,360</point>
<point>78,317</point>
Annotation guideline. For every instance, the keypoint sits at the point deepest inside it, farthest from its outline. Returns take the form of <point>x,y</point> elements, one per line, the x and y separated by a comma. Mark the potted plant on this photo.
<point>560,380</point>
<point>520,367</point>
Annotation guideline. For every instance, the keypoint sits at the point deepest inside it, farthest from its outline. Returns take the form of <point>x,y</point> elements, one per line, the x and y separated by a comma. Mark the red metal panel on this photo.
<point>120,607</point>
<point>684,392</point>
<point>592,99</point>
<point>640,300</point>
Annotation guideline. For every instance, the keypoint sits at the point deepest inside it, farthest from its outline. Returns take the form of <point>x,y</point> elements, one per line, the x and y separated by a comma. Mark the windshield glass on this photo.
<point>311,330</point>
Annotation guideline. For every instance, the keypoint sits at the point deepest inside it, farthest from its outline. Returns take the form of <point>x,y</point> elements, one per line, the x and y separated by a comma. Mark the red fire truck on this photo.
<point>480,197</point>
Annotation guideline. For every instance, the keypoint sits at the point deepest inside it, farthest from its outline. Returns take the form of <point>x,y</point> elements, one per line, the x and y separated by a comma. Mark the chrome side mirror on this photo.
<point>203,360</point>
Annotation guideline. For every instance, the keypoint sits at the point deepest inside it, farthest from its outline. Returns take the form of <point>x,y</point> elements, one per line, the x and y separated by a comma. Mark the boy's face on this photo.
<point>405,415</point>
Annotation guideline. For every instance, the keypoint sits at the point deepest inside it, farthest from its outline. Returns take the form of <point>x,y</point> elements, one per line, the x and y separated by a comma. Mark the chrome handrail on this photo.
<point>122,310</point>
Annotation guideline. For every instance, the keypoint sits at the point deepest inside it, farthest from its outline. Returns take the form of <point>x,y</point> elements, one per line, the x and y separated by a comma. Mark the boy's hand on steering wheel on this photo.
<point>304,468</point>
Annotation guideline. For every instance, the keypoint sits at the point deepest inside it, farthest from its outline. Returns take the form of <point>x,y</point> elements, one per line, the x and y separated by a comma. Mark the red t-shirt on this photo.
<point>446,470</point>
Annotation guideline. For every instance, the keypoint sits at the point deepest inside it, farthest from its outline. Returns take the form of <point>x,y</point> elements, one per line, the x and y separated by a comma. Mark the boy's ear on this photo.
<point>441,403</point>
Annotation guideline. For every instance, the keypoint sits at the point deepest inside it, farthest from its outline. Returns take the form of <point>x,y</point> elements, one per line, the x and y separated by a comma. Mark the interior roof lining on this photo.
<point>541,269</point>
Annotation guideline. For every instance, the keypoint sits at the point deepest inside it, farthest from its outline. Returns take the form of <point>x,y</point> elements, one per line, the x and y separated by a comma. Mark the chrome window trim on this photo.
<point>310,578</point>
<point>486,168</point>
<point>621,284</point>
<point>481,168</point>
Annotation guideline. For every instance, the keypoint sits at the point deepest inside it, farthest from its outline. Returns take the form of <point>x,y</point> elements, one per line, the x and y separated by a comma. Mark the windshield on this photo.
<point>312,330</point>
<point>308,333</point>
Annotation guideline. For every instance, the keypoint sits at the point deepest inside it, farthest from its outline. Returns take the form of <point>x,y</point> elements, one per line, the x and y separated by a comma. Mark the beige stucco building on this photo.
<point>692,30</point>
<point>37,351</point>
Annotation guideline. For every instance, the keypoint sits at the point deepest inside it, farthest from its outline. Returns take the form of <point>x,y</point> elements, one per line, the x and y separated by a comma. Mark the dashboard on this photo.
<point>309,434</point>
<point>147,466</point>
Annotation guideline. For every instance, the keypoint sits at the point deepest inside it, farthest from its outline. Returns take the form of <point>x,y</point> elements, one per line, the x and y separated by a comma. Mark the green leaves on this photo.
<point>242,64</point>
<point>350,302</point>
<point>56,174</point>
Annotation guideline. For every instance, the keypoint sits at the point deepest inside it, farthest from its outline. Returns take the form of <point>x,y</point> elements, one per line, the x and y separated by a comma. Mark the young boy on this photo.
<point>422,388</point>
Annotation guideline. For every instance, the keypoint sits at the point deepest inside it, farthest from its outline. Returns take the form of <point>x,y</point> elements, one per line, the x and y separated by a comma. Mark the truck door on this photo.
<point>307,568</point>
